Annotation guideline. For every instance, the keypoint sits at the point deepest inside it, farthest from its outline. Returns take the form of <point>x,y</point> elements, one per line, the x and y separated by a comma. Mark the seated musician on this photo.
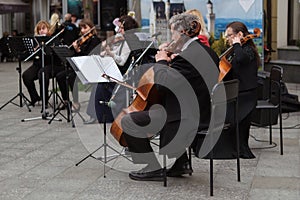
<point>31,74</point>
<point>82,47</point>
<point>245,63</point>
<point>54,65</point>
<point>177,117</point>
<point>119,50</point>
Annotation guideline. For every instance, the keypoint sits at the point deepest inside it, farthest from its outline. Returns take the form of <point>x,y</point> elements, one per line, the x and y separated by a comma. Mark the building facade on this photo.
<point>282,17</point>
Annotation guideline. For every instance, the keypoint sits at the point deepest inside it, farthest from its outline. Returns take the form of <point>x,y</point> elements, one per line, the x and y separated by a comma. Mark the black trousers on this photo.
<point>65,83</point>
<point>29,76</point>
<point>138,142</point>
<point>103,93</point>
<point>48,73</point>
<point>91,105</point>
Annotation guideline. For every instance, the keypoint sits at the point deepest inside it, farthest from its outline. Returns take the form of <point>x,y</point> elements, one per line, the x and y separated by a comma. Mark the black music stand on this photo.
<point>63,52</point>
<point>54,92</point>
<point>105,159</point>
<point>43,42</point>
<point>20,46</point>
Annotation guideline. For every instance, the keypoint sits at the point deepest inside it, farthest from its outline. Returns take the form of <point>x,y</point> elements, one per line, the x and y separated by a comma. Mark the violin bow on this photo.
<point>118,81</point>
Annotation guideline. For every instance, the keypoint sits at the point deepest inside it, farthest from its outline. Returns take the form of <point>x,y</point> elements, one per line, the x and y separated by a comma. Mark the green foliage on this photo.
<point>219,46</point>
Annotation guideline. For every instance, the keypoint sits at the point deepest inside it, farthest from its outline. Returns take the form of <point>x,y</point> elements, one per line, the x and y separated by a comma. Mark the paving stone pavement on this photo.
<point>37,160</point>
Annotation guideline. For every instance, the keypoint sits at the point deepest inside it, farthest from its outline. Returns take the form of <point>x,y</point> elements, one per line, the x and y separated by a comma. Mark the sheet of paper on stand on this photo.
<point>91,68</point>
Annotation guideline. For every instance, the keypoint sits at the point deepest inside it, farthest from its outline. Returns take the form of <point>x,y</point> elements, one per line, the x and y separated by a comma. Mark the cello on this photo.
<point>147,95</point>
<point>226,57</point>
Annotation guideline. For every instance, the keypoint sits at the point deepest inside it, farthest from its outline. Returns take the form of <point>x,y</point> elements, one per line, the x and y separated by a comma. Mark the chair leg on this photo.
<point>190,159</point>
<point>238,154</point>
<point>270,126</point>
<point>165,170</point>
<point>281,138</point>
<point>211,181</point>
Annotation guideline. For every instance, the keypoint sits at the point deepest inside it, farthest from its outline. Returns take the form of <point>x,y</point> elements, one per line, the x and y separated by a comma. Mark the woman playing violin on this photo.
<point>83,46</point>
<point>245,63</point>
<point>89,40</point>
<point>42,28</point>
<point>119,50</point>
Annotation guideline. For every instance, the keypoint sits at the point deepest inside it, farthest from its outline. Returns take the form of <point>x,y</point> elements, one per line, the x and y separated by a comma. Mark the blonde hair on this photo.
<point>41,24</point>
<point>203,30</point>
<point>54,19</point>
<point>54,22</point>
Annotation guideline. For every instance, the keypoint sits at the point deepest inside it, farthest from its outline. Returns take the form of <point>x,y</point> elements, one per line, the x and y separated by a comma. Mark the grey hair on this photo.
<point>183,21</point>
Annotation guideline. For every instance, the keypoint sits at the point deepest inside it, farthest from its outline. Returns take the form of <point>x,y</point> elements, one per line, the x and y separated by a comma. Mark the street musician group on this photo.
<point>172,95</point>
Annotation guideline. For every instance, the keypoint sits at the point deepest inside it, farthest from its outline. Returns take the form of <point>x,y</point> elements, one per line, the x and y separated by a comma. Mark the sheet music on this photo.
<point>143,36</point>
<point>28,42</point>
<point>93,67</point>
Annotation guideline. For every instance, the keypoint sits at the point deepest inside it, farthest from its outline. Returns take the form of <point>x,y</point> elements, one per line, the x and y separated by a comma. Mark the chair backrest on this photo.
<point>222,94</point>
<point>275,84</point>
<point>231,89</point>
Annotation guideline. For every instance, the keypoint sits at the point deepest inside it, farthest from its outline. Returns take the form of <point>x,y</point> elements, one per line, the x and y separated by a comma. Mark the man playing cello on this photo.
<point>184,107</point>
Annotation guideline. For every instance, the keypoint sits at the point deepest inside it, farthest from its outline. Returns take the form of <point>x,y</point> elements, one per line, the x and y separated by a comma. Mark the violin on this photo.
<point>83,38</point>
<point>174,47</point>
<point>226,57</point>
<point>110,43</point>
<point>147,95</point>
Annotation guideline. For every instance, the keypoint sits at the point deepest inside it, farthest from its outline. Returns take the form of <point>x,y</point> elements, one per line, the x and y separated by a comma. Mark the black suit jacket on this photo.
<point>198,65</point>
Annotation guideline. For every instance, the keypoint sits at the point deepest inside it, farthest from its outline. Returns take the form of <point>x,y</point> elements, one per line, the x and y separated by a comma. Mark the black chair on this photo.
<point>223,94</point>
<point>273,102</point>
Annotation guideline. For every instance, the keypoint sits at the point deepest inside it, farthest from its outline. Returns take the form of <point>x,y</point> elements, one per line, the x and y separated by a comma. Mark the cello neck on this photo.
<point>226,53</point>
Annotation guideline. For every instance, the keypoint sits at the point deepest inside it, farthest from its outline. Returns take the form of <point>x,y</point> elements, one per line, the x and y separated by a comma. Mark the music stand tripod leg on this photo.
<point>105,145</point>
<point>20,94</point>
<point>69,117</point>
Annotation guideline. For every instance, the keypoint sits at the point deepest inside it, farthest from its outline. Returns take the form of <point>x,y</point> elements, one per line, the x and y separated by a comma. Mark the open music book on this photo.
<point>90,69</point>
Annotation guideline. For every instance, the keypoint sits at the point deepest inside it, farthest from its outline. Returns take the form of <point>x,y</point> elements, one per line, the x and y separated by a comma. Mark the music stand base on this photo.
<point>104,146</point>
<point>40,117</point>
<point>69,116</point>
<point>23,99</point>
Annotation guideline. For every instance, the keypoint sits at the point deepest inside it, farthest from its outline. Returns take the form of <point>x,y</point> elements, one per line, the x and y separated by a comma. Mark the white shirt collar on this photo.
<point>189,42</point>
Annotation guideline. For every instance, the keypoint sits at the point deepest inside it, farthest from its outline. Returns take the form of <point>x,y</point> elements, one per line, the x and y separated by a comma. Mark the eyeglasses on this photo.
<point>229,35</point>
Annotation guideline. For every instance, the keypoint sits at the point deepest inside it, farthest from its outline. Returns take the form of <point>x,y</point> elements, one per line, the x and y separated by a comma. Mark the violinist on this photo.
<point>55,66</point>
<point>89,40</point>
<point>245,63</point>
<point>32,73</point>
<point>82,46</point>
<point>120,52</point>
<point>172,75</point>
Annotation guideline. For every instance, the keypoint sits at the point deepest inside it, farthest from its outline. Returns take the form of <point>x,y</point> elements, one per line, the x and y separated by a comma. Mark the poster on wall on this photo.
<point>216,13</point>
<point>75,7</point>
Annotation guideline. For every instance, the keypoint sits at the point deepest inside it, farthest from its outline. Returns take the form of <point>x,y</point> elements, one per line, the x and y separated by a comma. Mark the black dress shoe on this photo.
<point>32,103</point>
<point>145,175</point>
<point>90,121</point>
<point>177,171</point>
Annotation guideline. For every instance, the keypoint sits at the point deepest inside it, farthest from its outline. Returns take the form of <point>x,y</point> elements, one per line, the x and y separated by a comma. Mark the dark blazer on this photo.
<point>196,57</point>
<point>244,68</point>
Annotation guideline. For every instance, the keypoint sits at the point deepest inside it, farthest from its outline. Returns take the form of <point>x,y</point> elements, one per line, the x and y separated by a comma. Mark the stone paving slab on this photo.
<point>37,160</point>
